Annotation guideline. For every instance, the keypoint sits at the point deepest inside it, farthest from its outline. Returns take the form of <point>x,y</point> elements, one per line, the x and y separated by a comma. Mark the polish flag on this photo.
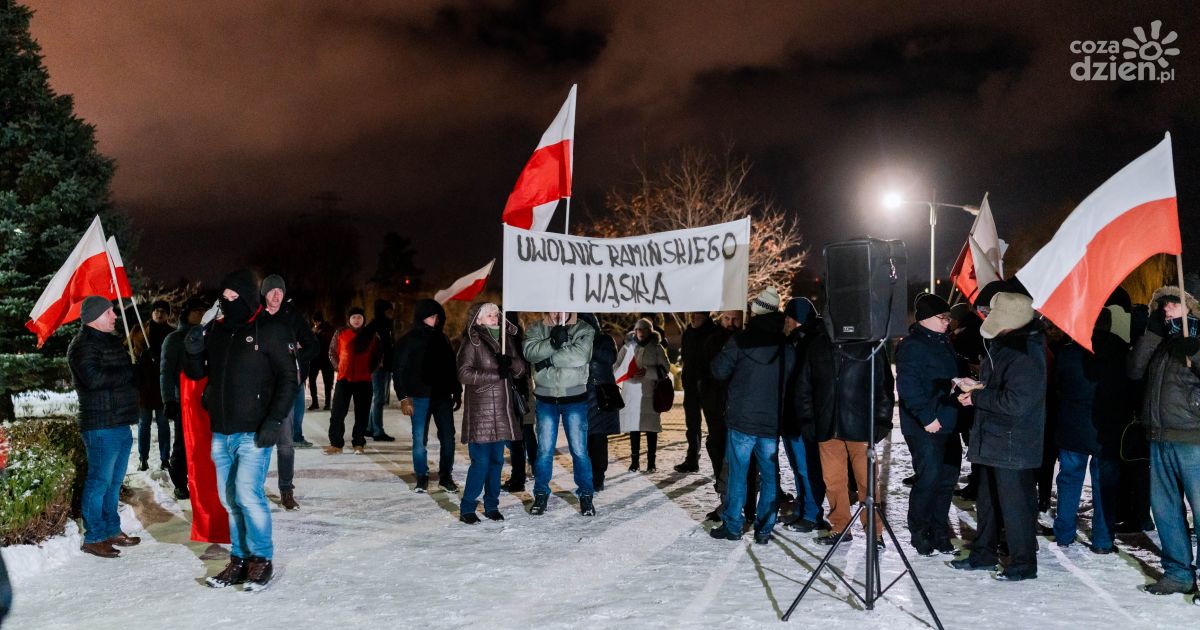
<point>547,176</point>
<point>982,258</point>
<point>1129,218</point>
<point>628,367</point>
<point>85,273</point>
<point>467,287</point>
<point>123,287</point>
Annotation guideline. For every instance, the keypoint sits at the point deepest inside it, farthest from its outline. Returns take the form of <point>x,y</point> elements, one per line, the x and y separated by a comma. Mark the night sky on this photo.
<point>226,119</point>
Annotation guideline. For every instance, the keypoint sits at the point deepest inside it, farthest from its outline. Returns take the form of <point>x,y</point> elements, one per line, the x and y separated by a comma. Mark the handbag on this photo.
<point>664,392</point>
<point>608,397</point>
<point>519,402</point>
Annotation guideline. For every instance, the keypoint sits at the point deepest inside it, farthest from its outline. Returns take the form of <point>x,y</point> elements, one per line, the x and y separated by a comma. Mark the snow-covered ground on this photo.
<point>45,403</point>
<point>365,551</point>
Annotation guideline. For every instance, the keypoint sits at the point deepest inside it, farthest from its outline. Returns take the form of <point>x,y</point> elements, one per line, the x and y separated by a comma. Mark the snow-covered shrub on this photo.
<point>35,494</point>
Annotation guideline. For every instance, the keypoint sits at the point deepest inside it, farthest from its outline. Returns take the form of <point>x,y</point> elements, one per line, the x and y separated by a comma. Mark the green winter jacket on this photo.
<point>567,374</point>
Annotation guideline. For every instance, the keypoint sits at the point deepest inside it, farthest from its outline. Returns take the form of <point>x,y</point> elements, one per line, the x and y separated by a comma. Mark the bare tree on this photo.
<point>697,188</point>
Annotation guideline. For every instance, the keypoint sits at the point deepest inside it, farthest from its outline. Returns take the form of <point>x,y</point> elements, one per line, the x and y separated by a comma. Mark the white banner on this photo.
<point>700,269</point>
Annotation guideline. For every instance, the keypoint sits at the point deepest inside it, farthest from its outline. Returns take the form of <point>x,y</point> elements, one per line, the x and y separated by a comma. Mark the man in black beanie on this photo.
<point>251,388</point>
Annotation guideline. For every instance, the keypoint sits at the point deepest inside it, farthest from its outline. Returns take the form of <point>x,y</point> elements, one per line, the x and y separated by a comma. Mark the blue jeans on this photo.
<point>574,420</point>
<point>145,417</point>
<point>298,417</point>
<point>739,448</point>
<point>797,453</point>
<point>379,398</point>
<point>108,457</point>
<point>487,460</point>
<point>241,473</point>
<point>1105,472</point>
<point>442,412</point>
<point>1174,477</point>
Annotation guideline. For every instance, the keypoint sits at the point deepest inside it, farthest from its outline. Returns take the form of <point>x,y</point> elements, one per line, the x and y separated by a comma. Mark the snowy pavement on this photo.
<point>366,551</point>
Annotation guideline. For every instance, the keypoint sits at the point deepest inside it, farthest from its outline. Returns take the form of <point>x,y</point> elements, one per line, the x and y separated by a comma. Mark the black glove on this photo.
<point>193,343</point>
<point>172,411</point>
<point>504,365</point>
<point>543,364</point>
<point>1157,323</point>
<point>558,336</point>
<point>268,434</point>
<point>1183,347</point>
<point>456,398</point>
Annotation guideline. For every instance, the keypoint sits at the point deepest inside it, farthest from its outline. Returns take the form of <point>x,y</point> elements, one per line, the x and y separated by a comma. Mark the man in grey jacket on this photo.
<point>559,347</point>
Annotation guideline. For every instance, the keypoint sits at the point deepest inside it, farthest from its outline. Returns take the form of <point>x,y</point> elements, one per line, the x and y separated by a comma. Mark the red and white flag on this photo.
<point>982,258</point>
<point>547,176</point>
<point>628,367</point>
<point>123,288</point>
<point>467,287</point>
<point>1129,218</point>
<point>85,273</point>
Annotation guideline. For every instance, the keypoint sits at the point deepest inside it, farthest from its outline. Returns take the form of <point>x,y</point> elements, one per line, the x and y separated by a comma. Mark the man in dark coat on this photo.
<point>1094,405</point>
<point>251,390</point>
<point>691,351</point>
<point>1006,443</point>
<point>170,367</point>
<point>1171,409</point>
<point>835,408</point>
<point>968,346</point>
<point>424,373</point>
<point>150,402</point>
<point>926,367</point>
<point>601,422</point>
<point>321,366</point>
<point>801,324</point>
<point>756,363</point>
<point>384,329</point>
<point>106,383</point>
<point>713,394</point>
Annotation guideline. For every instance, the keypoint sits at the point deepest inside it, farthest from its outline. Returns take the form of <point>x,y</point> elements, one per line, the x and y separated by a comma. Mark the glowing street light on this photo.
<point>892,200</point>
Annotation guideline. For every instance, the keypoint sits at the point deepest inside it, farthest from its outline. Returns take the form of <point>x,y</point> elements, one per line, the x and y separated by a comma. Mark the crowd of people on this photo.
<point>996,378</point>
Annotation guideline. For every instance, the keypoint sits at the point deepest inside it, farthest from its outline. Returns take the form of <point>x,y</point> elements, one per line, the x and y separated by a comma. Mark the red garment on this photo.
<point>210,521</point>
<point>352,366</point>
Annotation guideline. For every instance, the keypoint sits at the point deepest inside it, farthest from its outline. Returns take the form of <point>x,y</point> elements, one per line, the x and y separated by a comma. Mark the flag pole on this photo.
<point>133,301</point>
<point>1182,296</point>
<point>567,223</point>
<point>112,270</point>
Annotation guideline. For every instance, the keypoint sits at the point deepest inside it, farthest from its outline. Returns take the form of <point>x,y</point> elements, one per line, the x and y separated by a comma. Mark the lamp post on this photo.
<point>895,200</point>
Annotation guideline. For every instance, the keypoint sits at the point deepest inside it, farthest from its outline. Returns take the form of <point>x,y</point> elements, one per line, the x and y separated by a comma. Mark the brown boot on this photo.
<point>288,500</point>
<point>258,573</point>
<point>233,573</point>
<point>332,450</point>
<point>124,540</point>
<point>103,549</point>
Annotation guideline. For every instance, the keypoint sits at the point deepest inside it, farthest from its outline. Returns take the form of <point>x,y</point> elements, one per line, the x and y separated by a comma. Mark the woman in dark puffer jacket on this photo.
<point>489,420</point>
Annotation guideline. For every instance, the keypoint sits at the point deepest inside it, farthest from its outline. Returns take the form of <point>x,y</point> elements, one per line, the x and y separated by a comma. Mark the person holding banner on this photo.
<point>105,382</point>
<point>489,419</point>
<point>560,347</point>
<point>649,365</point>
<point>1169,360</point>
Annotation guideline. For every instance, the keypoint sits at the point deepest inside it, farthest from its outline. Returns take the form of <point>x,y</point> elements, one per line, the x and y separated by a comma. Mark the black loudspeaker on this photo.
<point>866,289</point>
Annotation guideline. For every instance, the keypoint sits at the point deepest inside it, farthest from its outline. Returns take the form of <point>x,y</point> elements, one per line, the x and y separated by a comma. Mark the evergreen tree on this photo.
<point>52,182</point>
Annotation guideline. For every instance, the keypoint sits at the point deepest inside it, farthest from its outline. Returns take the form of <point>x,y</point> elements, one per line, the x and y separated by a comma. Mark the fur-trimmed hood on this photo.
<point>1172,290</point>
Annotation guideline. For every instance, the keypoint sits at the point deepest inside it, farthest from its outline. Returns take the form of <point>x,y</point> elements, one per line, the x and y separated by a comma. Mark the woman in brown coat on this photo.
<point>489,420</point>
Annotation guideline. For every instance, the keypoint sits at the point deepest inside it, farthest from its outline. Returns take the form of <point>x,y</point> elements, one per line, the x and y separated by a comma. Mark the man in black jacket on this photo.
<point>1171,410</point>
<point>757,363</point>
<point>801,323</point>
<point>251,389</point>
<point>150,403</point>
<point>425,377</point>
<point>834,406</point>
<point>384,328</point>
<point>304,346</point>
<point>1006,443</point>
<point>691,351</point>
<point>170,367</point>
<point>105,381</point>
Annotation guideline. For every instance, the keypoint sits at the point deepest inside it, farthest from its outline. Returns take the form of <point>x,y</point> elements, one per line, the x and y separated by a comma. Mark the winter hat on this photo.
<point>160,304</point>
<point>193,304</point>
<point>643,324</point>
<point>356,310</point>
<point>93,307</point>
<point>426,307</point>
<point>800,309</point>
<point>929,305</point>
<point>1009,311</point>
<point>1120,297</point>
<point>960,311</point>
<point>273,281</point>
<point>766,302</point>
<point>382,307</point>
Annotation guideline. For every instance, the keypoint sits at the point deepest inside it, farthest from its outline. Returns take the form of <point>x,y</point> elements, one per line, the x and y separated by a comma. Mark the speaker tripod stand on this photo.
<point>874,583</point>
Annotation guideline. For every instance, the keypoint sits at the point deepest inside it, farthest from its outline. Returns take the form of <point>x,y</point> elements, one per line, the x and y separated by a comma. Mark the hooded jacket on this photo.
<point>638,413</point>
<point>104,378</point>
<point>251,371</point>
<point>833,391</point>
<point>1010,411</point>
<point>925,368</point>
<point>488,414</point>
<point>566,375</point>
<point>600,372</point>
<point>1171,405</point>
<point>304,341</point>
<point>384,328</point>
<point>757,363</point>
<point>424,362</point>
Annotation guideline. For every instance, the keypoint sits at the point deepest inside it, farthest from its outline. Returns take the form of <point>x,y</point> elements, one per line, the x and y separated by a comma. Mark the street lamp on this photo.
<point>893,200</point>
